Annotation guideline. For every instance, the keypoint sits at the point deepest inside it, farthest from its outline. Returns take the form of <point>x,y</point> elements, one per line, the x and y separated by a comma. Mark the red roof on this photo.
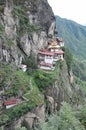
<point>59,52</point>
<point>45,64</point>
<point>46,52</point>
<point>10,102</point>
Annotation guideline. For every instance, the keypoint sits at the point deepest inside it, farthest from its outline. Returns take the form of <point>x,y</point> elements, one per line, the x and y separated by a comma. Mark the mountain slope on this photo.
<point>74,36</point>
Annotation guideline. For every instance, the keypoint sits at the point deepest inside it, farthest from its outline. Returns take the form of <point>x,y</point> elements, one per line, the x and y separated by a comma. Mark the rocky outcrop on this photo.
<point>31,119</point>
<point>60,90</point>
<point>9,52</point>
<point>13,47</point>
<point>9,22</point>
<point>16,44</point>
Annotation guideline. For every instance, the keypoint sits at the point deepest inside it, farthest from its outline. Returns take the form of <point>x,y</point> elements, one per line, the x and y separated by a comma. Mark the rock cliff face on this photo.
<point>13,46</point>
<point>15,43</point>
<point>59,91</point>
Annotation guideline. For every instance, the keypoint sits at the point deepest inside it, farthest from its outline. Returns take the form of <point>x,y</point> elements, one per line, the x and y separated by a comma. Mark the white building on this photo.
<point>10,103</point>
<point>59,55</point>
<point>46,66</point>
<point>46,56</point>
<point>23,67</point>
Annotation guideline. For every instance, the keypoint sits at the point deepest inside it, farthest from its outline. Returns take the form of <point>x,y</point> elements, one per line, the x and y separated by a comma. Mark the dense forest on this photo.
<point>74,38</point>
<point>73,35</point>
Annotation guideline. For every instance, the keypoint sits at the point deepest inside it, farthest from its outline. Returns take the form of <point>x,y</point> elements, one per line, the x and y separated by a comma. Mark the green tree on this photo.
<point>15,80</point>
<point>43,79</point>
<point>65,119</point>
<point>68,121</point>
<point>3,119</point>
<point>31,63</point>
<point>79,69</point>
<point>81,115</point>
<point>68,57</point>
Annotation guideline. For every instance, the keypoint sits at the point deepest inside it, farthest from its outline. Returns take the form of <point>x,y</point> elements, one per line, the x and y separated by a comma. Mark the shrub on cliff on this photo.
<point>65,119</point>
<point>68,57</point>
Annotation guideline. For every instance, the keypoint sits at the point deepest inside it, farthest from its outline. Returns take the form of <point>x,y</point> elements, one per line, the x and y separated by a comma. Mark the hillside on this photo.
<point>74,36</point>
<point>36,80</point>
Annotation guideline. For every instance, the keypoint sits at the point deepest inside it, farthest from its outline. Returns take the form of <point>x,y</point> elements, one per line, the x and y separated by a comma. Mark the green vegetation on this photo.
<point>1,30</point>
<point>15,80</point>
<point>74,36</point>
<point>81,84</point>
<point>68,57</point>
<point>81,115</point>
<point>32,84</point>
<point>31,63</point>
<point>44,78</point>
<point>15,112</point>
<point>2,2</point>
<point>1,9</point>
<point>5,39</point>
<point>79,69</point>
<point>3,119</point>
<point>24,25</point>
<point>65,119</point>
<point>34,96</point>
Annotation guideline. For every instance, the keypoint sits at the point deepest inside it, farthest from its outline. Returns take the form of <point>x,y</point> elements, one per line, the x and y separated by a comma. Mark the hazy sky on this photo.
<point>71,9</point>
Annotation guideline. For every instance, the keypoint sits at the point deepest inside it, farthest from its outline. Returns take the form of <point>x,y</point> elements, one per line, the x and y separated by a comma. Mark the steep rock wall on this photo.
<point>13,47</point>
<point>63,90</point>
<point>60,90</point>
